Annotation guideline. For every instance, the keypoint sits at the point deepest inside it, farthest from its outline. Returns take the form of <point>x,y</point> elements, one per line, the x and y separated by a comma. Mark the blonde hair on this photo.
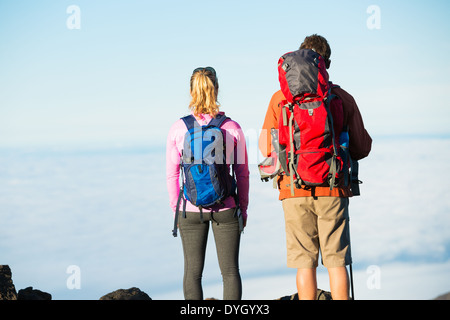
<point>204,90</point>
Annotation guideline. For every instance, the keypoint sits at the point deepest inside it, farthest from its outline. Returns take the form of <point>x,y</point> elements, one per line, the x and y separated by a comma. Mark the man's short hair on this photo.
<point>320,45</point>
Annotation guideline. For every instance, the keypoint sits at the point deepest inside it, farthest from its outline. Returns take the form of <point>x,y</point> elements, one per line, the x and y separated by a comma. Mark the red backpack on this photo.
<point>310,123</point>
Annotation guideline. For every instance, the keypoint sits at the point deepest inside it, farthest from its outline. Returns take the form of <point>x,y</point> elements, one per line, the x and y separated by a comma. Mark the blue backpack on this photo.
<point>205,175</point>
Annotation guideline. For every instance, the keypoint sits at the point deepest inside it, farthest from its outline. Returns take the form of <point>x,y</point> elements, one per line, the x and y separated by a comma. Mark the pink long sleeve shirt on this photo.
<point>234,137</point>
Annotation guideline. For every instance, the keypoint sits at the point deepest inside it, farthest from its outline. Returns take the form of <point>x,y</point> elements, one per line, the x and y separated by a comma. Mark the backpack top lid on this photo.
<point>202,141</point>
<point>303,75</point>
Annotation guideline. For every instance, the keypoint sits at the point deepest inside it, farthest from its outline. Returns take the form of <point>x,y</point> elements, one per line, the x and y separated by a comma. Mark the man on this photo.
<point>318,217</point>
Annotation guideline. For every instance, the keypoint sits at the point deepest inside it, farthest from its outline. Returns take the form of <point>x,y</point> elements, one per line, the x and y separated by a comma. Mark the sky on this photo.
<point>85,112</point>
<point>124,74</point>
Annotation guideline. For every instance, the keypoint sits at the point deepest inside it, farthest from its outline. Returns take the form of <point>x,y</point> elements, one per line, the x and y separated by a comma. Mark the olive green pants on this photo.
<point>194,235</point>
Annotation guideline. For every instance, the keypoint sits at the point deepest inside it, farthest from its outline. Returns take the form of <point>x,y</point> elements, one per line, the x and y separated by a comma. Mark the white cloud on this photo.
<point>108,213</point>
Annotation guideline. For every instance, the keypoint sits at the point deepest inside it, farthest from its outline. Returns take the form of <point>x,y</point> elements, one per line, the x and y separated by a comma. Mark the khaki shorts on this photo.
<point>313,225</point>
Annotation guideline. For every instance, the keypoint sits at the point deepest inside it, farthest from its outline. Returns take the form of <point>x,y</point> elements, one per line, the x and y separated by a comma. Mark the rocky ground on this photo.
<point>8,292</point>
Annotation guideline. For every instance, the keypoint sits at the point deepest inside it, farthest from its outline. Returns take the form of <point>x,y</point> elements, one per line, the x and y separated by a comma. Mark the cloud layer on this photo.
<point>107,212</point>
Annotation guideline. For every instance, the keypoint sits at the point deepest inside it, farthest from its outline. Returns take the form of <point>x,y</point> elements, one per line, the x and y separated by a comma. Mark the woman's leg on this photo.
<point>227,238</point>
<point>194,236</point>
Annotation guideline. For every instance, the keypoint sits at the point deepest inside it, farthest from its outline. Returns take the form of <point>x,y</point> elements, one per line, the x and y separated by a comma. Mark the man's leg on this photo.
<point>307,284</point>
<point>339,283</point>
<point>334,236</point>
<point>302,243</point>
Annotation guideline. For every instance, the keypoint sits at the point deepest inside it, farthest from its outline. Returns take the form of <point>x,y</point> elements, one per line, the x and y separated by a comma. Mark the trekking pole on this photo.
<point>351,283</point>
<point>351,271</point>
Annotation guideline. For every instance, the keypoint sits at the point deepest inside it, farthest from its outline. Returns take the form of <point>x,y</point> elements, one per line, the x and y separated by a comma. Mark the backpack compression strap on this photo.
<point>291,166</point>
<point>333,169</point>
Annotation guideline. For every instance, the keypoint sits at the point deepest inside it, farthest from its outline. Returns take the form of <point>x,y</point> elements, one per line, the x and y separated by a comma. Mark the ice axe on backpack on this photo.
<point>273,165</point>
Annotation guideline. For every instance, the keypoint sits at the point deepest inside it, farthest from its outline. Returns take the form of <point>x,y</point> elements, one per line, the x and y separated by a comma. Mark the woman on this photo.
<point>194,224</point>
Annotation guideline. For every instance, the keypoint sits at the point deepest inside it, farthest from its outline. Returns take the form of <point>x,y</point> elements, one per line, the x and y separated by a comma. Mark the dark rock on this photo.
<point>7,289</point>
<point>128,294</point>
<point>33,294</point>
<point>321,295</point>
<point>445,296</point>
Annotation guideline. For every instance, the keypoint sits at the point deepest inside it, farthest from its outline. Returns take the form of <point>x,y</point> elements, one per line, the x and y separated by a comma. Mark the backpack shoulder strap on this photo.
<point>189,121</point>
<point>332,85</point>
<point>218,120</point>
